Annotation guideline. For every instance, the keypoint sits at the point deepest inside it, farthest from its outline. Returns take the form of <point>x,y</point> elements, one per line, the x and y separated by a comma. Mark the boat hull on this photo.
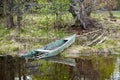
<point>51,49</point>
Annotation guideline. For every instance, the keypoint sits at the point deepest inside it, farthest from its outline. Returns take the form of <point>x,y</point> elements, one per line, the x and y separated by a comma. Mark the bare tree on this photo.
<point>90,6</point>
<point>81,10</point>
<point>19,16</point>
<point>109,5</point>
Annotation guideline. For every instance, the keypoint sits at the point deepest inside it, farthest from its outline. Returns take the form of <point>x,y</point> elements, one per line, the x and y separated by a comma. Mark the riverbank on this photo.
<point>107,43</point>
<point>37,31</point>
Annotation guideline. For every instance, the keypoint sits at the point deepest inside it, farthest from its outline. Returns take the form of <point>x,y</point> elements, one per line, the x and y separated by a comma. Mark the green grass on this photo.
<point>36,28</point>
<point>117,14</point>
<point>105,14</point>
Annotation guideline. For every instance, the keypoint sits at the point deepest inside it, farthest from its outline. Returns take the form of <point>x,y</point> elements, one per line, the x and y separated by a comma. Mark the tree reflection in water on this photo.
<point>11,68</point>
<point>94,69</point>
<point>84,69</point>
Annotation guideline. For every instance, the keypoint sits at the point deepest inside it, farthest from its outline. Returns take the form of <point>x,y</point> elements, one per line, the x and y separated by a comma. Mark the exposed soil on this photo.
<point>80,31</point>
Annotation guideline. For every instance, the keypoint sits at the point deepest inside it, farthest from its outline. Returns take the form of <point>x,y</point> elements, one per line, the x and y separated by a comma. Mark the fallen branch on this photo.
<point>94,41</point>
<point>101,41</point>
<point>94,36</point>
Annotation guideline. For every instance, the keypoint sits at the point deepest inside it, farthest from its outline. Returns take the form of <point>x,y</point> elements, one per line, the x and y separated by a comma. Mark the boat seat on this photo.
<point>41,50</point>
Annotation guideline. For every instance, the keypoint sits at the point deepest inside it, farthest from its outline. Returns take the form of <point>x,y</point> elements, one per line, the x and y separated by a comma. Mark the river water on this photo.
<point>59,68</point>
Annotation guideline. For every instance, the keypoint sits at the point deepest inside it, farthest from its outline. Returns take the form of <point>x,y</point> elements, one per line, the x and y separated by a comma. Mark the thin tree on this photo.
<point>19,16</point>
<point>110,4</point>
<point>10,21</point>
<point>1,8</point>
<point>118,4</point>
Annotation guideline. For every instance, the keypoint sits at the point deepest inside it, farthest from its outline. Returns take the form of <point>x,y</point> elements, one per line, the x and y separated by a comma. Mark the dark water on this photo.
<point>56,68</point>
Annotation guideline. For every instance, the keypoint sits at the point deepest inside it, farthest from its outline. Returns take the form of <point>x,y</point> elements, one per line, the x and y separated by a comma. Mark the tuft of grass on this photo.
<point>3,32</point>
<point>117,14</point>
<point>105,14</point>
<point>110,42</point>
<point>14,48</point>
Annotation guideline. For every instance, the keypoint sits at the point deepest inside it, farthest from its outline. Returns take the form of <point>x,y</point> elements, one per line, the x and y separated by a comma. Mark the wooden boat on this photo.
<point>51,49</point>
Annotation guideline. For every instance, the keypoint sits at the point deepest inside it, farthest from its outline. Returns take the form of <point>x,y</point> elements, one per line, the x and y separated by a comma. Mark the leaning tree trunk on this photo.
<point>10,22</point>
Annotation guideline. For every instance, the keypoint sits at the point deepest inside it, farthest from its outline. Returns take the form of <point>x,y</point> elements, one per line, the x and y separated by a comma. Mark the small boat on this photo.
<point>51,49</point>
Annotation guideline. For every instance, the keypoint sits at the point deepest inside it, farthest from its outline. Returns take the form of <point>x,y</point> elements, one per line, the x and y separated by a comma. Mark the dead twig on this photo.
<point>95,35</point>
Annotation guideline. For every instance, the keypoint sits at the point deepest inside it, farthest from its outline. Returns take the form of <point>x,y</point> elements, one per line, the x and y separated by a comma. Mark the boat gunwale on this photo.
<point>64,39</point>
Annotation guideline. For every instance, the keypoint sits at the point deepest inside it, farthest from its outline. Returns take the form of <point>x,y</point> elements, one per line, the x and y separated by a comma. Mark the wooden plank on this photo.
<point>42,50</point>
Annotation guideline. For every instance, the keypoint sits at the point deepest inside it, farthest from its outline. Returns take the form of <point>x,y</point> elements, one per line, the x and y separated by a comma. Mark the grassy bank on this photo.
<point>111,45</point>
<point>38,30</point>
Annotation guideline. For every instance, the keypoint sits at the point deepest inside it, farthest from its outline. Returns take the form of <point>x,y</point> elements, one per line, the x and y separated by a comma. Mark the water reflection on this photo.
<point>116,74</point>
<point>53,69</point>
<point>11,68</point>
<point>84,69</point>
<point>100,68</point>
<point>61,60</point>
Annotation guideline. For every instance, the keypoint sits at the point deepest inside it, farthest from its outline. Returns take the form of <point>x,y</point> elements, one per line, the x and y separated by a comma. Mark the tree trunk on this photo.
<point>82,13</point>
<point>10,22</point>
<point>19,17</point>
<point>78,14</point>
<point>110,13</point>
<point>1,8</point>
